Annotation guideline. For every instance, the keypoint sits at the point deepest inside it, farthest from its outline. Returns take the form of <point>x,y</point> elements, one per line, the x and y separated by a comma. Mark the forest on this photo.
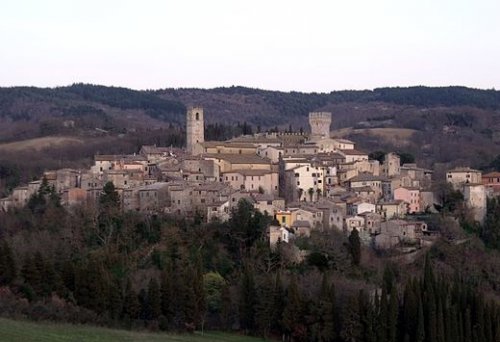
<point>102,266</point>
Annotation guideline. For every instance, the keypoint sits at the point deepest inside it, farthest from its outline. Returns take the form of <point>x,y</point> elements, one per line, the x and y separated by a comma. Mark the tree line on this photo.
<point>103,266</point>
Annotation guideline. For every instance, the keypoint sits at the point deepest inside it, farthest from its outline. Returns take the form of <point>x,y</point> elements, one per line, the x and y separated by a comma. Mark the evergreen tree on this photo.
<point>392,317</point>
<point>351,326</point>
<point>468,326</point>
<point>293,326</point>
<point>440,327</point>
<point>366,313</point>
<point>8,270</point>
<point>154,298</point>
<point>226,307</point>
<point>131,307</point>
<point>199,293</point>
<point>410,312</point>
<point>325,311</point>
<point>382,317</point>
<point>278,304</point>
<point>420,332</point>
<point>264,307</point>
<point>145,305</point>
<point>355,246</point>
<point>115,300</point>
<point>248,299</point>
<point>166,295</point>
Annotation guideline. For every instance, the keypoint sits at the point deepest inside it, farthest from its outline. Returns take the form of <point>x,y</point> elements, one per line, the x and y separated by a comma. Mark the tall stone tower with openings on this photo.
<point>194,128</point>
<point>320,124</point>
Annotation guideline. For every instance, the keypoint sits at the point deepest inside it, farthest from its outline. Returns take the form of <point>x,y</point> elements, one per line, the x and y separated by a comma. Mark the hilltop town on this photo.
<point>304,181</point>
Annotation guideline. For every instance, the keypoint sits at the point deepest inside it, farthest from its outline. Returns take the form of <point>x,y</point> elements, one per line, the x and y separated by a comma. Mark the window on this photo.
<point>283,219</point>
<point>197,116</point>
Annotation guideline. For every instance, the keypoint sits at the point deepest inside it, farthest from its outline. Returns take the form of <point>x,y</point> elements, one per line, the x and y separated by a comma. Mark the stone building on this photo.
<point>463,175</point>
<point>411,196</point>
<point>492,181</point>
<point>195,129</point>
<point>320,124</point>
<point>391,165</point>
<point>475,199</point>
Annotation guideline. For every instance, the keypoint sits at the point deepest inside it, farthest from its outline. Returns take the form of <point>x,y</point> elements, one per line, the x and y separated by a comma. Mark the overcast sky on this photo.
<point>273,44</point>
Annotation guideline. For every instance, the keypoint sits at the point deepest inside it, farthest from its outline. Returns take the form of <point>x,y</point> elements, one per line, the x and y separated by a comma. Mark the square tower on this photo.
<point>320,124</point>
<point>195,128</point>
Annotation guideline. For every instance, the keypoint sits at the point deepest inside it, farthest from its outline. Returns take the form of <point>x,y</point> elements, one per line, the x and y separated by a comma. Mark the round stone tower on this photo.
<point>195,128</point>
<point>320,124</point>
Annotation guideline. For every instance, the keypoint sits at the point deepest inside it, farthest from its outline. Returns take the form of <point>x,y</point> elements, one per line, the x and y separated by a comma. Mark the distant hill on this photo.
<point>451,125</point>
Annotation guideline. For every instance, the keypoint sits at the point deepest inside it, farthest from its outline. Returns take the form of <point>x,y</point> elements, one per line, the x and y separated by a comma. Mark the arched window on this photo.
<point>197,116</point>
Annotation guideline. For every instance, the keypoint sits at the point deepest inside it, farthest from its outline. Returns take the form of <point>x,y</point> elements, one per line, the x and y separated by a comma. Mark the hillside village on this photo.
<point>305,181</point>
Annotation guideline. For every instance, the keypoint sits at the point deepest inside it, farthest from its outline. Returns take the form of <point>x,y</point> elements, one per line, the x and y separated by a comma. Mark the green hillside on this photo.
<point>11,330</point>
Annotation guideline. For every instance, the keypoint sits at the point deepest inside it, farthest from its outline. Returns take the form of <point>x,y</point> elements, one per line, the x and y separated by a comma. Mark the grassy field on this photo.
<point>24,331</point>
<point>38,144</point>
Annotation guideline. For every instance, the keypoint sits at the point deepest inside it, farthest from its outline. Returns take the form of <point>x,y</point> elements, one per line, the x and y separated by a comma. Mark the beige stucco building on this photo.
<point>463,175</point>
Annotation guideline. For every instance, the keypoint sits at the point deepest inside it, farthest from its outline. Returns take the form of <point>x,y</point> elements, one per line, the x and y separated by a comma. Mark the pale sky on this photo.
<point>280,45</point>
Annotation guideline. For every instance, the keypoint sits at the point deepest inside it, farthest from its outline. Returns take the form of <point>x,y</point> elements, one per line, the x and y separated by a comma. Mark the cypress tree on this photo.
<point>351,326</point>
<point>31,274</point>
<point>382,317</point>
<point>48,276</point>
<point>293,313</point>
<point>420,332</point>
<point>189,318</point>
<point>366,314</point>
<point>145,305</point>
<point>131,307</point>
<point>488,334</point>
<point>325,311</point>
<point>68,275</point>
<point>166,296</point>
<point>278,304</point>
<point>392,317</point>
<point>430,310</point>
<point>115,300</point>
<point>248,298</point>
<point>355,247</point>
<point>8,269</point>
<point>199,293</point>
<point>440,332</point>
<point>410,311</point>
<point>154,298</point>
<point>264,307</point>
<point>226,307</point>
<point>467,326</point>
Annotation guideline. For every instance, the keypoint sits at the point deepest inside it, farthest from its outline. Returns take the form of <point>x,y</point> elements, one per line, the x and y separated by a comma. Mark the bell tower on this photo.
<point>195,128</point>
